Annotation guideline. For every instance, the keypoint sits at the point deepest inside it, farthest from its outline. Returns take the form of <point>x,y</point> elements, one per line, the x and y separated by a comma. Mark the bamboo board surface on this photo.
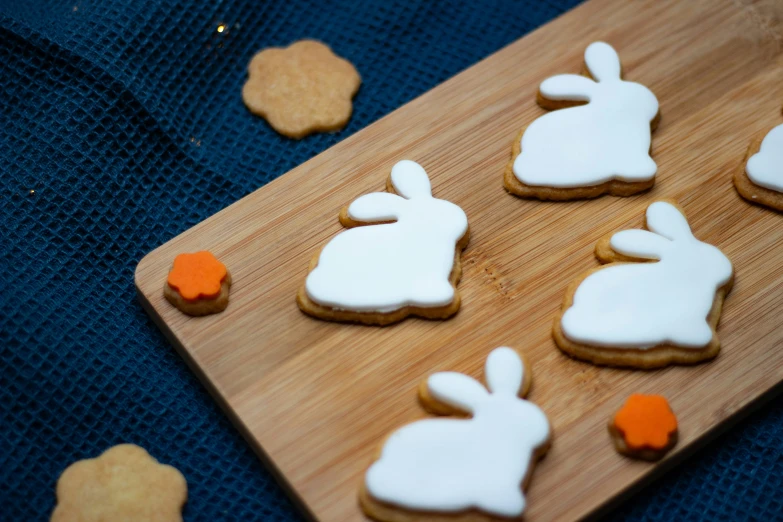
<point>315,399</point>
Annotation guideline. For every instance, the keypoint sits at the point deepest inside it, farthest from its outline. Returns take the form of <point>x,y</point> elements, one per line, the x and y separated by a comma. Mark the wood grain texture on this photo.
<point>316,398</point>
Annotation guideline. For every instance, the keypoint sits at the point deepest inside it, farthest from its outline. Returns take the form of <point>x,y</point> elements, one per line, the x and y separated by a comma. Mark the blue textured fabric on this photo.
<point>122,125</point>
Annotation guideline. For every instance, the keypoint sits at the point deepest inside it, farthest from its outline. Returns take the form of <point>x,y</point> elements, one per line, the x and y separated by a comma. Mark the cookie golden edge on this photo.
<point>200,307</point>
<point>80,472</point>
<point>751,192</point>
<point>647,454</point>
<point>385,512</point>
<point>327,313</point>
<point>613,187</point>
<point>656,357</point>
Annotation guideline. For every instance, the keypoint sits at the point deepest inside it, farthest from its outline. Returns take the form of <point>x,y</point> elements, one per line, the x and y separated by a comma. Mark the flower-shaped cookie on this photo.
<point>124,483</point>
<point>301,89</point>
<point>644,427</point>
<point>198,284</point>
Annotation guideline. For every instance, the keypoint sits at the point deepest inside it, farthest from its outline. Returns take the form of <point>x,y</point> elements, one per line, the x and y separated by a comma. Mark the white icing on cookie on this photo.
<point>451,465</point>
<point>649,304</point>
<point>609,138</point>
<point>385,267</point>
<point>765,168</point>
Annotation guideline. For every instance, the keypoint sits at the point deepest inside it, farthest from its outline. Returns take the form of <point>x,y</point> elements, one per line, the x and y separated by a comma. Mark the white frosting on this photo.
<point>609,138</point>
<point>385,267</point>
<point>649,304</point>
<point>765,168</point>
<point>451,465</point>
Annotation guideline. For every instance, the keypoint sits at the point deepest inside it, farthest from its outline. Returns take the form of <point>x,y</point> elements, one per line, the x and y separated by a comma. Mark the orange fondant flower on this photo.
<point>646,421</point>
<point>197,276</point>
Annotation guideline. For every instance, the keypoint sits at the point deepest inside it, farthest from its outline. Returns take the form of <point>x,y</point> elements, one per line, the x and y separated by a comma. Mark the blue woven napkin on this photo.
<point>122,125</point>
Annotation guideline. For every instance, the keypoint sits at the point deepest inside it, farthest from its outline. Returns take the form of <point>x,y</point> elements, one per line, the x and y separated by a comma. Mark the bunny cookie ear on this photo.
<point>639,243</point>
<point>567,87</point>
<point>504,370</point>
<point>665,219</point>
<point>377,206</point>
<point>456,390</point>
<point>603,62</point>
<point>410,180</point>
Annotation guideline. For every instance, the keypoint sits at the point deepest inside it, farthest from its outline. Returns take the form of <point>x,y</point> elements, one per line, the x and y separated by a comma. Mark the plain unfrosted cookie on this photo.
<point>656,301</point>
<point>401,256</point>
<point>644,428</point>
<point>760,177</point>
<point>124,484</point>
<point>198,284</point>
<point>462,469</point>
<point>597,141</point>
<point>301,89</point>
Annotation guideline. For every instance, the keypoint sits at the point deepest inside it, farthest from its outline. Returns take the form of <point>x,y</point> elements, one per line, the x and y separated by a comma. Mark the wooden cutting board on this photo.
<point>315,399</point>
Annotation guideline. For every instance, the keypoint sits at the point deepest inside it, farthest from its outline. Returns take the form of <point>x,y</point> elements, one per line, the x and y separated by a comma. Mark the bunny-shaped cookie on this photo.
<point>599,146</point>
<point>406,261</point>
<point>648,314</point>
<point>760,177</point>
<point>454,465</point>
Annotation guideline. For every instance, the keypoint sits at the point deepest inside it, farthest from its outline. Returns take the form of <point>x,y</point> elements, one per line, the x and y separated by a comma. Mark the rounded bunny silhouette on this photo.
<point>760,178</point>
<point>605,139</point>
<point>765,168</point>
<point>452,465</point>
<point>403,257</point>
<point>642,305</point>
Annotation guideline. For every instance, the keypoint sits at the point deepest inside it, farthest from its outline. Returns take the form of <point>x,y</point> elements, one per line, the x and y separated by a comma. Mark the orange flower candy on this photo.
<point>197,276</point>
<point>646,422</point>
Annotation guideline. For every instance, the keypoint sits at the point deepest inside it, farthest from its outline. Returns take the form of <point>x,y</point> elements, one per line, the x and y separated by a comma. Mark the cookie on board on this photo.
<point>401,256</point>
<point>198,284</point>
<point>597,141</point>
<point>656,301</point>
<point>760,177</point>
<point>302,89</point>
<point>466,468</point>
<point>644,428</point>
<point>123,483</point>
